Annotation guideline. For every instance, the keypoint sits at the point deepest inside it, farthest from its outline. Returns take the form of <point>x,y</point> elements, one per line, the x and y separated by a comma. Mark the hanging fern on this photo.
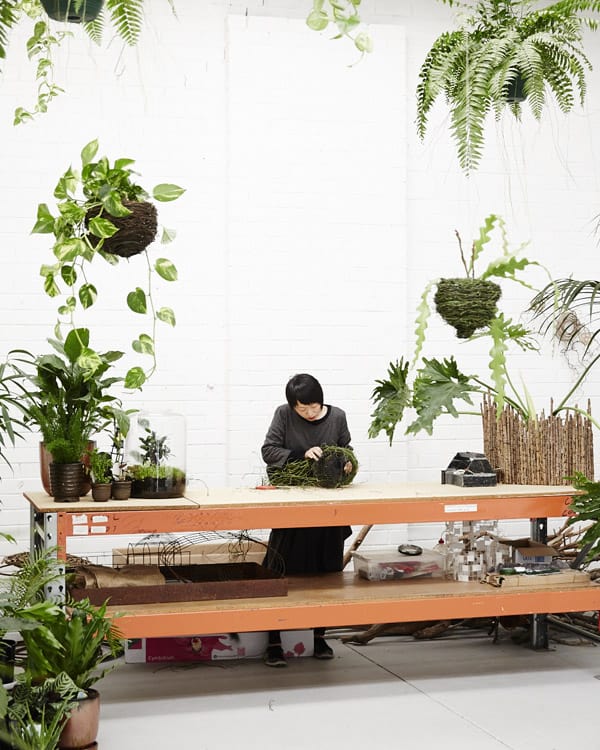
<point>501,40</point>
<point>126,16</point>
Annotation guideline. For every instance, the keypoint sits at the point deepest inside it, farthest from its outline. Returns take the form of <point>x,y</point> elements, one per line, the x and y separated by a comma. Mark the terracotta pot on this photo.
<point>121,489</point>
<point>46,460</point>
<point>101,491</point>
<point>81,728</point>
<point>66,481</point>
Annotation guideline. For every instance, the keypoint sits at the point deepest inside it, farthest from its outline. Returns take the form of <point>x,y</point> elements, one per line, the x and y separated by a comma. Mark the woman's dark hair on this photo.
<point>305,389</point>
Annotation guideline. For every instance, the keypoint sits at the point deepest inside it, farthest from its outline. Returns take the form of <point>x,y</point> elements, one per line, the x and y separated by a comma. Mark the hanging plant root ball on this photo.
<point>137,230</point>
<point>467,304</point>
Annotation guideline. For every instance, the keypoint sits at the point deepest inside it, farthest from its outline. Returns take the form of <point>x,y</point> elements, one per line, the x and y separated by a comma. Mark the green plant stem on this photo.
<point>153,315</point>
<point>578,382</point>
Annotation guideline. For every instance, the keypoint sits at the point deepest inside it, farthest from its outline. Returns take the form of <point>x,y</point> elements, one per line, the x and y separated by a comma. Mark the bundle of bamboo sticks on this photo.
<point>543,450</point>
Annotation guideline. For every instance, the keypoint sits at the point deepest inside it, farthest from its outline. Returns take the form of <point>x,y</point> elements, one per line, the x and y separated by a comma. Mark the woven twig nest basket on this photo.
<point>467,304</point>
<point>136,231</point>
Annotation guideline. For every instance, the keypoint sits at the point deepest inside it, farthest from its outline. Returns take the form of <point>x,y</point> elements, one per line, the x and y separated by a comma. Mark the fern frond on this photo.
<point>126,16</point>
<point>8,18</point>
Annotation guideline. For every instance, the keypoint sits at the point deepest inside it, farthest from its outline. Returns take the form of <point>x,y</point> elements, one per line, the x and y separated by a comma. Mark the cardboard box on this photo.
<point>387,565</point>
<point>177,552</point>
<point>561,578</point>
<point>295,643</point>
<point>530,553</point>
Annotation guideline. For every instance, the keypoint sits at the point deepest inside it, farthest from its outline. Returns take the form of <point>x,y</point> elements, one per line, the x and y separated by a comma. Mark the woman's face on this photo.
<point>310,412</point>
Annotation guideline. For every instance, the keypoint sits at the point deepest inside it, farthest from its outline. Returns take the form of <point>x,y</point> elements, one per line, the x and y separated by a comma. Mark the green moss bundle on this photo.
<point>328,471</point>
<point>467,304</point>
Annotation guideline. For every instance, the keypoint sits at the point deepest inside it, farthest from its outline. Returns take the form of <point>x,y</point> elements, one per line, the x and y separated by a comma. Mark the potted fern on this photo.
<point>502,45</point>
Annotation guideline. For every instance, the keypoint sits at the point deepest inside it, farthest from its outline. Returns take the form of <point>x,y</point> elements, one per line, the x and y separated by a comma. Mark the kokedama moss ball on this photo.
<point>467,304</point>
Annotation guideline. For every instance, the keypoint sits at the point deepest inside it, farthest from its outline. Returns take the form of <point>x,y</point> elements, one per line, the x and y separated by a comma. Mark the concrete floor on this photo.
<point>461,692</point>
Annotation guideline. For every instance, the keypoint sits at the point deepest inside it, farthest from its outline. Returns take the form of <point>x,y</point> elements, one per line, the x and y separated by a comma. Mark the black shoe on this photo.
<point>322,649</point>
<point>274,657</point>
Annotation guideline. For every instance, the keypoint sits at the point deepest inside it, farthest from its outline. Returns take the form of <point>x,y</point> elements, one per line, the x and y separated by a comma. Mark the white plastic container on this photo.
<point>390,565</point>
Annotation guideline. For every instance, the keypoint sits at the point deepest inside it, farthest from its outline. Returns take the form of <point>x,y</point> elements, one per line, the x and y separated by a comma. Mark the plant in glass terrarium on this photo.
<point>156,460</point>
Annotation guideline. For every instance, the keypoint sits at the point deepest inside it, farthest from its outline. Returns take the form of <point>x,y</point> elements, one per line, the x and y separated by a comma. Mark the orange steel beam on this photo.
<point>144,624</point>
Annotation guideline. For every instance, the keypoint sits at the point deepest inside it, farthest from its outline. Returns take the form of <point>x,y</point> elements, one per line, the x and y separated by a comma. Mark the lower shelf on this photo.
<point>340,599</point>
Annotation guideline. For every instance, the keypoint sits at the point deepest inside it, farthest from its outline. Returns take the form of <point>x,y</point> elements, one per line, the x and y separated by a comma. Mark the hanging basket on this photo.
<point>467,304</point>
<point>137,230</point>
<point>73,11</point>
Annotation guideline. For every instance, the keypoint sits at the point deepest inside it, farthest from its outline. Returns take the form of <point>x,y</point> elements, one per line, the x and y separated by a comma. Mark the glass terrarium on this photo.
<point>155,455</point>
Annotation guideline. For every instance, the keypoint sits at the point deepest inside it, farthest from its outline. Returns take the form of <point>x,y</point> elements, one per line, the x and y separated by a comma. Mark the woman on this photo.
<point>297,431</point>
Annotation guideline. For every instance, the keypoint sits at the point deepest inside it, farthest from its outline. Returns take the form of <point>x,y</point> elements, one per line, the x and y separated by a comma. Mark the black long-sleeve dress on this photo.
<point>305,550</point>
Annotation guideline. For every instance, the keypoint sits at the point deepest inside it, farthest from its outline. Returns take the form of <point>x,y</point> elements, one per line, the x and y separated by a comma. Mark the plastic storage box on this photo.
<point>391,565</point>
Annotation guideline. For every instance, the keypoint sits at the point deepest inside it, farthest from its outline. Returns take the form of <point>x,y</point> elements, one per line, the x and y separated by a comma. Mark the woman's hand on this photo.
<point>315,453</point>
<point>348,467</point>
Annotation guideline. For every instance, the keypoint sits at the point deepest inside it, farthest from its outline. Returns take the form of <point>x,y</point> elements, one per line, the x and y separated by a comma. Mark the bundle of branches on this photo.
<point>328,471</point>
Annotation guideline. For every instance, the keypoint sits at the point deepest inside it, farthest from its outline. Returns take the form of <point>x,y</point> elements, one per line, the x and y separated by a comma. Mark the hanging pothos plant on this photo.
<point>91,203</point>
<point>123,17</point>
<point>501,43</point>
<point>343,16</point>
<point>438,385</point>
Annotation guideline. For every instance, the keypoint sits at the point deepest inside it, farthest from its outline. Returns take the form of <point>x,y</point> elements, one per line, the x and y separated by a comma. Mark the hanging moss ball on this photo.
<point>467,304</point>
<point>328,471</point>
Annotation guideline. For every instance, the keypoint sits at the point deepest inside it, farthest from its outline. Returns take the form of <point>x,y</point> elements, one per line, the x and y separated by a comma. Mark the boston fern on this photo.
<point>501,42</point>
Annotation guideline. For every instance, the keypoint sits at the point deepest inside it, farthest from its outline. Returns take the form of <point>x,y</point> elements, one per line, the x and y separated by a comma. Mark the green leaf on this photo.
<point>165,192</point>
<point>143,344</point>
<point>391,397</point>
<point>69,275</point>
<point>68,250</point>
<point>87,295</point>
<point>363,42</point>
<point>101,227</point>
<point>166,315</point>
<point>50,286</point>
<point>423,315</point>
<point>136,301</point>
<point>68,307</point>
<point>317,20</point>
<point>167,235</point>
<point>113,204</point>
<point>77,340</point>
<point>89,151</point>
<point>45,220</point>
<point>437,385</point>
<point>89,361</point>
<point>165,269</point>
<point>135,378</point>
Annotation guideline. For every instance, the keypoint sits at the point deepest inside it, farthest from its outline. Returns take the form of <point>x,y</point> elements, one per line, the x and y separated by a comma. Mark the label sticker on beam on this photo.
<point>471,508</point>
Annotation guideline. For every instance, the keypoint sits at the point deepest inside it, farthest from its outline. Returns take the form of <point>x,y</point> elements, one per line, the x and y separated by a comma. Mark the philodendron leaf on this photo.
<point>69,275</point>
<point>437,385</point>
<point>89,151</point>
<point>50,286</point>
<point>136,301</point>
<point>76,342</point>
<point>166,315</point>
<point>167,235</point>
<point>89,361</point>
<point>363,42</point>
<point>68,307</point>
<point>113,205</point>
<point>45,220</point>
<point>68,250</point>
<point>391,397</point>
<point>165,269</point>
<point>165,192</point>
<point>87,295</point>
<point>135,378</point>
<point>143,344</point>
<point>100,227</point>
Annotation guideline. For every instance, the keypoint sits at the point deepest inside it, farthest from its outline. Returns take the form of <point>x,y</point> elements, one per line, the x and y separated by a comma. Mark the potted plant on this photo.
<point>87,639</point>
<point>150,462</point>
<point>124,19</point>
<point>500,43</point>
<point>434,387</point>
<point>103,213</point>
<point>67,396</point>
<point>101,471</point>
<point>32,717</point>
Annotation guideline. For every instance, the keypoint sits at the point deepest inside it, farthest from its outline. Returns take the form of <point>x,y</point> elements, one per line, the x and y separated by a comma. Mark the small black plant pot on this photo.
<point>73,11</point>
<point>467,304</point>
<point>165,487</point>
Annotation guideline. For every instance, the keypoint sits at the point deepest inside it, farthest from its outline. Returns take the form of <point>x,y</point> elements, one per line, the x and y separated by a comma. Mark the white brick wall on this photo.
<point>312,219</point>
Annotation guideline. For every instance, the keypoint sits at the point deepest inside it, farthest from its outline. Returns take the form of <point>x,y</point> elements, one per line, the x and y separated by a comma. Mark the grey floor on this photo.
<point>462,692</point>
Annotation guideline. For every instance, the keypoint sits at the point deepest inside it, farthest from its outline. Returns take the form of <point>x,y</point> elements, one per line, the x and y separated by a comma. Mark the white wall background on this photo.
<point>312,220</point>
